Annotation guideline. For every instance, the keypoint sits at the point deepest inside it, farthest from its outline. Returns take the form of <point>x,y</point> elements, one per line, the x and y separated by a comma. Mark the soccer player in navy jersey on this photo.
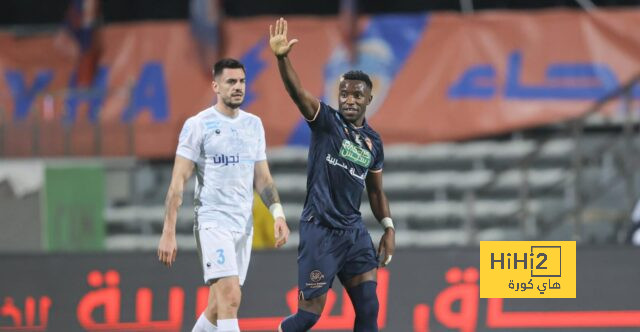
<point>345,156</point>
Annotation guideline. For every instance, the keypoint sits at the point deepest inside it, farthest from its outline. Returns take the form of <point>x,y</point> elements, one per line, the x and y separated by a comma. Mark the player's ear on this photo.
<point>214,86</point>
<point>370,99</point>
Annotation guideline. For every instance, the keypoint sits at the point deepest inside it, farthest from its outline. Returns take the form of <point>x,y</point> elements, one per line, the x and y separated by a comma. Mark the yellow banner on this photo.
<point>527,269</point>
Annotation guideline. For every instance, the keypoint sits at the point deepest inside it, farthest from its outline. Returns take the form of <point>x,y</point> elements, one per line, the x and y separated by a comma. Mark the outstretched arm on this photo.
<point>168,248</point>
<point>380,209</point>
<point>307,103</point>
<point>266,188</point>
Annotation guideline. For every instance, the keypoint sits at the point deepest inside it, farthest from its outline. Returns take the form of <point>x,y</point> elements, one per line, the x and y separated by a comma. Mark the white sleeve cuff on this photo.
<point>317,112</point>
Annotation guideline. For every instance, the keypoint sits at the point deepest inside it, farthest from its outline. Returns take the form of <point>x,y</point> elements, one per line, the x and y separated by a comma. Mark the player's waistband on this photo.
<point>222,221</point>
<point>357,225</point>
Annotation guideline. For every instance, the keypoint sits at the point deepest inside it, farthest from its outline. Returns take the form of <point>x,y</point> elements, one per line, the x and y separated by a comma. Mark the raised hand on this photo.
<point>278,38</point>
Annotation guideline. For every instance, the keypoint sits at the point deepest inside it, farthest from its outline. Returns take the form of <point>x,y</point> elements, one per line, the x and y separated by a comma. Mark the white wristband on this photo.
<point>276,211</point>
<point>387,222</point>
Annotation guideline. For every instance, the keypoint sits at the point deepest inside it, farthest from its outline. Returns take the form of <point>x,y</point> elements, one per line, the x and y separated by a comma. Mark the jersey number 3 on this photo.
<point>220,256</point>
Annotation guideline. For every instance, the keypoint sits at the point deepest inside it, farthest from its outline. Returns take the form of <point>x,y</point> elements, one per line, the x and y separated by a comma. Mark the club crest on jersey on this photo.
<point>316,278</point>
<point>355,154</point>
<point>368,142</point>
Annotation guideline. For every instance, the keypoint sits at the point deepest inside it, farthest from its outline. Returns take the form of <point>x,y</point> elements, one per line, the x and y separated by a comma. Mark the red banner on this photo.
<point>421,291</point>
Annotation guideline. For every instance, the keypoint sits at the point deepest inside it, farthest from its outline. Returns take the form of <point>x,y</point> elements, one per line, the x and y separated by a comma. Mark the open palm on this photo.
<point>278,38</point>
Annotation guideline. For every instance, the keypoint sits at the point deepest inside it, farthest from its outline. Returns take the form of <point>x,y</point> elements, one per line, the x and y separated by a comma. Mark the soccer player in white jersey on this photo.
<point>226,145</point>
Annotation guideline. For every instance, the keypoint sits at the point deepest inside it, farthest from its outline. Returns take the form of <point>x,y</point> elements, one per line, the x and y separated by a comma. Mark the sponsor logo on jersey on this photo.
<point>222,159</point>
<point>355,154</point>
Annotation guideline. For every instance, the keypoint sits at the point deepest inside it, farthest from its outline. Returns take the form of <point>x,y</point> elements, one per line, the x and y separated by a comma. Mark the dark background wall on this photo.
<point>14,12</point>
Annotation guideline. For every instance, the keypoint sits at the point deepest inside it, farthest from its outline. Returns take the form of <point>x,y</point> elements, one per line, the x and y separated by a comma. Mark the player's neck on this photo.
<point>358,124</point>
<point>226,110</point>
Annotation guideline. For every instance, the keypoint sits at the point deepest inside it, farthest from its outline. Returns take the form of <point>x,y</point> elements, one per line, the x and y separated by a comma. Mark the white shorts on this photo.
<point>223,253</point>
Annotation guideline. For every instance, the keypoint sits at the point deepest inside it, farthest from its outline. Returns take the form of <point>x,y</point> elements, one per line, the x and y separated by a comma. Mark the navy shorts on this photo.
<point>325,252</point>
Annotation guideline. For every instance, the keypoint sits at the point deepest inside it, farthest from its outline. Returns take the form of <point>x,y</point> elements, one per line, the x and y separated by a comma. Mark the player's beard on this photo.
<point>232,104</point>
<point>351,117</point>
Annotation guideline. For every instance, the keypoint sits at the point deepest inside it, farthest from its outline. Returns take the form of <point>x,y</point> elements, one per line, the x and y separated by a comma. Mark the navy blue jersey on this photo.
<point>340,157</point>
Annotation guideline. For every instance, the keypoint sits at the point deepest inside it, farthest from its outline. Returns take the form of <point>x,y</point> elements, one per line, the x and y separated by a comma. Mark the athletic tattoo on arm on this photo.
<point>269,194</point>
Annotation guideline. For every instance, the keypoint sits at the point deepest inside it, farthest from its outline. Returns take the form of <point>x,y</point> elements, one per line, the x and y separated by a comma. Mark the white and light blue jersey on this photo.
<point>224,151</point>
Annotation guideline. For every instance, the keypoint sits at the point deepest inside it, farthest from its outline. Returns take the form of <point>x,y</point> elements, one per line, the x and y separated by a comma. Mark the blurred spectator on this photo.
<point>82,21</point>
<point>206,27</point>
<point>634,232</point>
<point>263,236</point>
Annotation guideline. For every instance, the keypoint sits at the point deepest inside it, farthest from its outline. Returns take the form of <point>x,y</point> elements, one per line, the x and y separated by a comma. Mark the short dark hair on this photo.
<point>358,75</point>
<point>226,63</point>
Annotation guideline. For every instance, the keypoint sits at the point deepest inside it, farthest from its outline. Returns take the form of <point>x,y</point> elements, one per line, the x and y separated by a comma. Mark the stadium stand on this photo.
<point>437,192</point>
